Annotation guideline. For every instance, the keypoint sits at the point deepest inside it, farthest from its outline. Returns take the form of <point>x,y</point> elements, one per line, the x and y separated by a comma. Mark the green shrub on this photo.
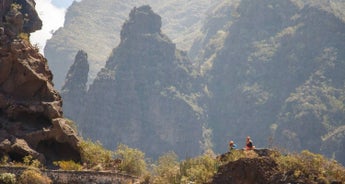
<point>29,161</point>
<point>132,160</point>
<point>199,170</point>
<point>16,7</point>
<point>167,169</point>
<point>94,154</point>
<point>313,166</point>
<point>31,176</point>
<point>68,165</point>
<point>4,160</point>
<point>7,178</point>
<point>24,36</point>
<point>195,170</point>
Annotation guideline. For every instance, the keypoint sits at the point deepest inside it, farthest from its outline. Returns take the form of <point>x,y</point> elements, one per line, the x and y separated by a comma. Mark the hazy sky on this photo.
<point>52,13</point>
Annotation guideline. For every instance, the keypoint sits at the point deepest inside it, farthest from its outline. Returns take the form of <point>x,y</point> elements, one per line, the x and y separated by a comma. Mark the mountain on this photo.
<point>275,71</point>
<point>31,121</point>
<point>95,28</point>
<point>145,96</point>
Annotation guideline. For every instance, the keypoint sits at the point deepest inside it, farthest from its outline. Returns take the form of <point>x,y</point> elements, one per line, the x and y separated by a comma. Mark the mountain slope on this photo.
<point>275,70</point>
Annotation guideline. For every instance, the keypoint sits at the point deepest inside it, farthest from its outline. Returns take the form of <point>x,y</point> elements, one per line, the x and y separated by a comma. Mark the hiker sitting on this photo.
<point>249,144</point>
<point>232,145</point>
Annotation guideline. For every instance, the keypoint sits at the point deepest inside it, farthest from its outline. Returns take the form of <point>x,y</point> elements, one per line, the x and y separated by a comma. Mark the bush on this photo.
<point>29,161</point>
<point>31,176</point>
<point>68,165</point>
<point>4,160</point>
<point>132,160</point>
<point>167,169</point>
<point>199,170</point>
<point>314,166</point>
<point>24,36</point>
<point>7,178</point>
<point>195,170</point>
<point>94,154</point>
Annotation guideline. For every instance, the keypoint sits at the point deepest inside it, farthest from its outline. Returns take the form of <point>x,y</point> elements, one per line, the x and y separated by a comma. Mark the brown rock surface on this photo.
<point>246,171</point>
<point>31,120</point>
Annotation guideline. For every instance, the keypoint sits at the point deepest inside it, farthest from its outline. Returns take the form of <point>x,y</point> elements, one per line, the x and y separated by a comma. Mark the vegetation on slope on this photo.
<point>268,166</point>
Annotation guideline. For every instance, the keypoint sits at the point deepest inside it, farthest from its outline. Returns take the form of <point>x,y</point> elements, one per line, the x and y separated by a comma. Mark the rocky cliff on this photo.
<point>144,96</point>
<point>31,120</point>
<point>275,72</point>
<point>95,28</point>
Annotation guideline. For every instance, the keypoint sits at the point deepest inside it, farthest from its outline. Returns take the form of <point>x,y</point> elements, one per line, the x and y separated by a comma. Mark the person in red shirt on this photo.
<point>249,144</point>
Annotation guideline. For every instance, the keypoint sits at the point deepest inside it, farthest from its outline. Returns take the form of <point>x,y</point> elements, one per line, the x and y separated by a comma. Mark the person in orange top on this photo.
<point>249,144</point>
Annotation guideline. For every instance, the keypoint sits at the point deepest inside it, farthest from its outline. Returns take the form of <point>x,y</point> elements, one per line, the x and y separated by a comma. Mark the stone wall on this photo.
<point>78,177</point>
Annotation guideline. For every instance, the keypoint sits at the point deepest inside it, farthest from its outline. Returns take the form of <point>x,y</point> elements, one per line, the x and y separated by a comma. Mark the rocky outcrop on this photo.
<point>246,171</point>
<point>31,120</point>
<point>269,166</point>
<point>143,97</point>
<point>19,16</point>
<point>74,90</point>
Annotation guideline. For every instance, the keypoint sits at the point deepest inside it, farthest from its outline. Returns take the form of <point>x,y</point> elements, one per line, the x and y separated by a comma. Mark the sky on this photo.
<point>52,14</point>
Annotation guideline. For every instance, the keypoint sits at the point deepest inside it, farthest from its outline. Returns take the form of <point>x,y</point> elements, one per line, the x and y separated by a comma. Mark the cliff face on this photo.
<point>143,96</point>
<point>98,27</point>
<point>275,70</point>
<point>30,109</point>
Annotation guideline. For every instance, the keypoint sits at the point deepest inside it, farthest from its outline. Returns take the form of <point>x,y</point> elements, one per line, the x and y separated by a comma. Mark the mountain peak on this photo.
<point>141,21</point>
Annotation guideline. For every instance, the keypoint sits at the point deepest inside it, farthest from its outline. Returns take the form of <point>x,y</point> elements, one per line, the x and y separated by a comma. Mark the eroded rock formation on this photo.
<point>31,121</point>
